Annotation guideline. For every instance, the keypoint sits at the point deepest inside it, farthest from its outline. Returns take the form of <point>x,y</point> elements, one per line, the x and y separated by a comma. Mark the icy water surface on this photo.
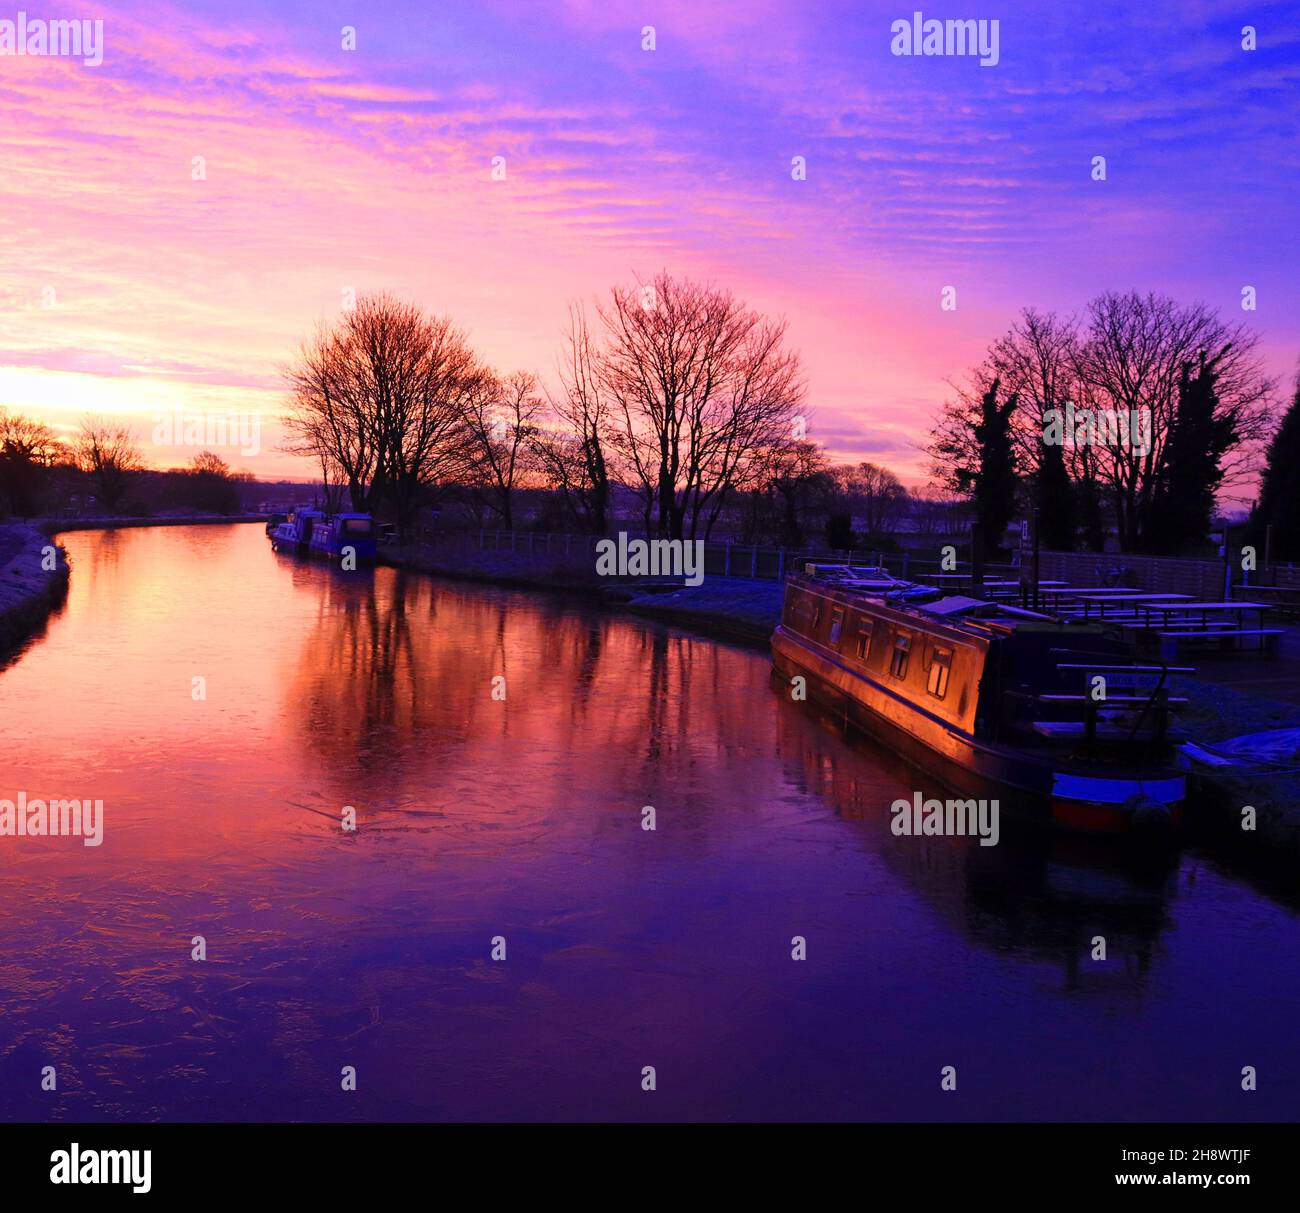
<point>480,818</point>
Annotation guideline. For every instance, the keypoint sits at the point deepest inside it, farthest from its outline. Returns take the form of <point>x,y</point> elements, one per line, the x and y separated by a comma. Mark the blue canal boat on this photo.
<point>331,536</point>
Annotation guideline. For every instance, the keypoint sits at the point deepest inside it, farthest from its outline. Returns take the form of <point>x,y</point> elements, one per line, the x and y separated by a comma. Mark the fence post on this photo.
<point>780,564</point>
<point>753,564</point>
<point>726,560</point>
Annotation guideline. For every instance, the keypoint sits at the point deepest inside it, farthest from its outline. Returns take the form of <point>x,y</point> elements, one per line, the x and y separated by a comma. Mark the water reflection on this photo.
<point>1045,894</point>
<point>521,817</point>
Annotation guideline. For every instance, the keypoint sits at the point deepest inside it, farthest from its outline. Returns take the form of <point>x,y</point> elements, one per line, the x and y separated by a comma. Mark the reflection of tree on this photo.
<point>1046,894</point>
<point>394,679</point>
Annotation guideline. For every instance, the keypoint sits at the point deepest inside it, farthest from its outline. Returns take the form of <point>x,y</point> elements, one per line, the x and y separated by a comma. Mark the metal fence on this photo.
<point>724,558</point>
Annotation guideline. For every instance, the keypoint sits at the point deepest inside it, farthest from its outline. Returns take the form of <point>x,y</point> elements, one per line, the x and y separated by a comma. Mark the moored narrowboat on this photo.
<point>1054,717</point>
<point>340,538</point>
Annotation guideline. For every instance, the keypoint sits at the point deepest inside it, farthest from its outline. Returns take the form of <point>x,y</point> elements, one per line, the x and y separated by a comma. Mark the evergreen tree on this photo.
<point>1182,499</point>
<point>1054,496</point>
<point>993,484</point>
<point>1279,491</point>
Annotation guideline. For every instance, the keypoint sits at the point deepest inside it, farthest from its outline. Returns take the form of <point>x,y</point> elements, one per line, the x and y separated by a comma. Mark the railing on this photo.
<point>725,558</point>
<point>722,558</point>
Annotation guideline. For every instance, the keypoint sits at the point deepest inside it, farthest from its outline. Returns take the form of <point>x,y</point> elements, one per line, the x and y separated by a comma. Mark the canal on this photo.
<point>227,704</point>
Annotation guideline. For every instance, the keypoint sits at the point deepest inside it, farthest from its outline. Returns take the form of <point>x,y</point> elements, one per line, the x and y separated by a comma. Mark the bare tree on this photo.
<point>1134,355</point>
<point>700,385</point>
<point>791,481</point>
<point>383,397</point>
<point>874,494</point>
<point>28,449</point>
<point>29,440</point>
<point>106,451</point>
<point>502,418</point>
<point>573,457</point>
<point>1036,360</point>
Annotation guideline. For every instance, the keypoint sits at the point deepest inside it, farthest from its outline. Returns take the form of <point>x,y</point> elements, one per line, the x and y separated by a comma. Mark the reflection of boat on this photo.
<point>1044,894</point>
<point>333,536</point>
<point>1052,716</point>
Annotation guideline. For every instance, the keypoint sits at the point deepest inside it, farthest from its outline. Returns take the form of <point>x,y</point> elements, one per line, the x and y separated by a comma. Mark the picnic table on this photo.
<point>1287,596</point>
<point>1130,599</point>
<point>1191,621</point>
<point>1057,589</point>
<point>1188,610</point>
<point>970,577</point>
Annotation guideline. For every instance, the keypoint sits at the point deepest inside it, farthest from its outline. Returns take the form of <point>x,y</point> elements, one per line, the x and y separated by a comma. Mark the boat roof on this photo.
<point>879,587</point>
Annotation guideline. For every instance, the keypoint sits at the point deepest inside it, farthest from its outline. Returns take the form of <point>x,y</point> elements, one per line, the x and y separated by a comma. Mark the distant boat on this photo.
<point>331,536</point>
<point>989,698</point>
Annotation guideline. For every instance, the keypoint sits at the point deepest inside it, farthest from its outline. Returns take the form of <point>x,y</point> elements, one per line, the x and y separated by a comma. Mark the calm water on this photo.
<point>480,818</point>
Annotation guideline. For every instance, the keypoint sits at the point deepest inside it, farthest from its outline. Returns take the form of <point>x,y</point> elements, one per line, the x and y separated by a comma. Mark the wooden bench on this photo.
<point>1125,669</point>
<point>1134,699</point>
<point>1107,730</point>
<point>1169,641</point>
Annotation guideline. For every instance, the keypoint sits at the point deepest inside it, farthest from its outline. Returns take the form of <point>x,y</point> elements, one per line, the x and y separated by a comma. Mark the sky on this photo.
<point>132,284</point>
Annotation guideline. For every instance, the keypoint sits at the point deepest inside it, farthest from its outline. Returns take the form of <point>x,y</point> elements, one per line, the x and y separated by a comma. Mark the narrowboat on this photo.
<point>331,536</point>
<point>1053,716</point>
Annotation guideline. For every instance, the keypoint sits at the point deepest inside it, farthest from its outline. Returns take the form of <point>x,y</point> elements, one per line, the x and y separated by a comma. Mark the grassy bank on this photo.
<point>29,590</point>
<point>56,526</point>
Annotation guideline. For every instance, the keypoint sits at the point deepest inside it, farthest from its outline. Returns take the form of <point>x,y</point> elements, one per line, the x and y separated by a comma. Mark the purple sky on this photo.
<point>127,286</point>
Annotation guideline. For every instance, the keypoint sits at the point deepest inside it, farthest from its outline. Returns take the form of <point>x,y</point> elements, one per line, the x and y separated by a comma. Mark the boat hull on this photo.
<point>1033,787</point>
<point>324,543</point>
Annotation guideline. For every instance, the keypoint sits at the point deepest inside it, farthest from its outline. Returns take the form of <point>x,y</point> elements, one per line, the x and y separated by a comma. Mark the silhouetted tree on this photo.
<point>1201,432</point>
<point>839,532</point>
<point>1055,498</point>
<point>574,459</point>
<point>874,495</point>
<point>106,452</point>
<point>211,485</point>
<point>1132,361</point>
<point>974,454</point>
<point>700,386</point>
<point>382,395</point>
<point>1279,491</point>
<point>501,414</point>
<point>795,478</point>
<point>28,450</point>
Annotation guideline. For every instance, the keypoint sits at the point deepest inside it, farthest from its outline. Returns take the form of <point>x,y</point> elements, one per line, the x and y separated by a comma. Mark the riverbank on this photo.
<point>33,582</point>
<point>56,526</point>
<point>738,609</point>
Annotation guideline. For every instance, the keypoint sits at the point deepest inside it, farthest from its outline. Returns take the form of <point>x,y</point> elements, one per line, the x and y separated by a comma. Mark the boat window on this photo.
<point>940,666</point>
<point>356,526</point>
<point>837,622</point>
<point>864,641</point>
<point>898,658</point>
